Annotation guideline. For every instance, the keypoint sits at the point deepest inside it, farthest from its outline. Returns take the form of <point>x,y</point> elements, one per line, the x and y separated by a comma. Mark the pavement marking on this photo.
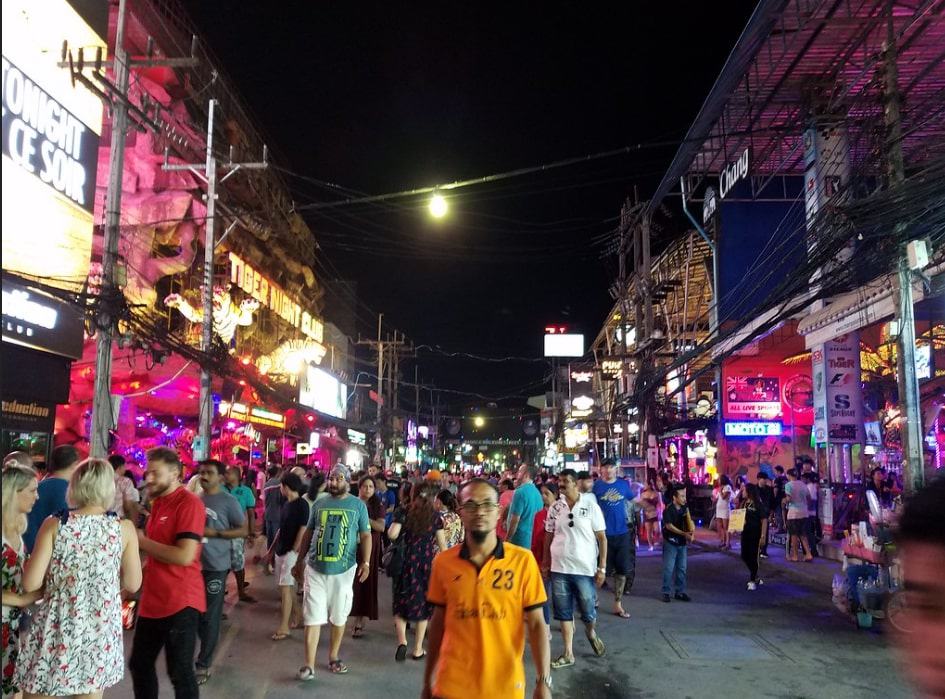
<point>727,647</point>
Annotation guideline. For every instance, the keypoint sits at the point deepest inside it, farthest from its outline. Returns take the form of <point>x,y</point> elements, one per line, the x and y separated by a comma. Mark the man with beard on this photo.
<point>172,594</point>
<point>486,594</point>
<point>339,524</point>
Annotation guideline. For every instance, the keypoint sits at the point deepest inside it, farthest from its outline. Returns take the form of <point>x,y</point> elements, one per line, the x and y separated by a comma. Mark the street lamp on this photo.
<point>438,206</point>
<point>478,421</point>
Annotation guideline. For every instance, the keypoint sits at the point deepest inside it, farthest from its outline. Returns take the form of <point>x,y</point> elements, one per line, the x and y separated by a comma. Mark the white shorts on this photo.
<point>283,569</point>
<point>327,597</point>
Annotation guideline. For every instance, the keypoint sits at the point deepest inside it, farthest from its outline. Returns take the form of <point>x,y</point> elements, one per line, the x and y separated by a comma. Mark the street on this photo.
<point>785,640</point>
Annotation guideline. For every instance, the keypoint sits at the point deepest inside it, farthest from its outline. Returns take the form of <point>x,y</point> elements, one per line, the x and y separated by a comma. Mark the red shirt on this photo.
<point>538,534</point>
<point>168,588</point>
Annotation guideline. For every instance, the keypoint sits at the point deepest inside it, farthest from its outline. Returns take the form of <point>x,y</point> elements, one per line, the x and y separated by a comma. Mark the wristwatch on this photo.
<point>545,680</point>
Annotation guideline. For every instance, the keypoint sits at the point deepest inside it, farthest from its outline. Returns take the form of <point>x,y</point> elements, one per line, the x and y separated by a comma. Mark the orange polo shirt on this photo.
<point>484,634</point>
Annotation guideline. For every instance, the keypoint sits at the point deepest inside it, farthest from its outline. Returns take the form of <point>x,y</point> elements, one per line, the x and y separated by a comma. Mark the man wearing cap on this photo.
<point>338,524</point>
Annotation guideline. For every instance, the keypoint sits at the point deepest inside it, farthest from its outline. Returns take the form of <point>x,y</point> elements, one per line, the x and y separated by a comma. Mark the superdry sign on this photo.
<point>45,139</point>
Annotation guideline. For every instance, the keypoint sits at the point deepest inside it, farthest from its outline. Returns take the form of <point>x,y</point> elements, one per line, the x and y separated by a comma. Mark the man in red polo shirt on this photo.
<point>172,594</point>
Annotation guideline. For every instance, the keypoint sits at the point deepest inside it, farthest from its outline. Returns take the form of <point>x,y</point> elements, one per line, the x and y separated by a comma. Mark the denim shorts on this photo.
<point>567,588</point>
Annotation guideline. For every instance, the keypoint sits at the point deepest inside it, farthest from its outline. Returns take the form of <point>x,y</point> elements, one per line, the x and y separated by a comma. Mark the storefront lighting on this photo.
<point>633,428</point>
<point>479,421</point>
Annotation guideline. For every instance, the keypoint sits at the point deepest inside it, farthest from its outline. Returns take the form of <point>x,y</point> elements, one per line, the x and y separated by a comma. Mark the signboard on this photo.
<point>29,416</point>
<point>756,397</point>
<point>611,368</point>
<point>709,205</point>
<point>356,437</point>
<point>733,173</point>
<point>253,414</point>
<point>38,320</point>
<point>564,345</point>
<point>321,391</point>
<point>50,142</point>
<point>838,400</point>
<point>736,428</point>
<point>273,297</point>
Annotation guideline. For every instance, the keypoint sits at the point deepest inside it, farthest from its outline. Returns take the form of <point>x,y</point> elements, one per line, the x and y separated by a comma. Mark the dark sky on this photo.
<point>381,97</point>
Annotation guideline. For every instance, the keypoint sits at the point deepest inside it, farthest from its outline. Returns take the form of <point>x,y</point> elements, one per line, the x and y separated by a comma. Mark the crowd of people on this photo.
<point>475,563</point>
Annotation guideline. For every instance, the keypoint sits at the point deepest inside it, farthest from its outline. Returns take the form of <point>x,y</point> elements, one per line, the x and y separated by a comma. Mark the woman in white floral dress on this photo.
<point>85,556</point>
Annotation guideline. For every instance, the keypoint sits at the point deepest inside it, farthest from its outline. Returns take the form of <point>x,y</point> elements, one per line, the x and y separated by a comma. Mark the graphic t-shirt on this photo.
<point>613,498</point>
<point>336,524</point>
<point>51,499</point>
<point>223,512</point>
<point>526,503</point>
<point>169,588</point>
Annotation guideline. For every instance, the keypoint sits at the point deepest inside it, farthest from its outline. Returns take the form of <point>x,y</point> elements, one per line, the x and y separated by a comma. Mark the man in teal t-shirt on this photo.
<point>526,503</point>
<point>244,496</point>
<point>338,524</point>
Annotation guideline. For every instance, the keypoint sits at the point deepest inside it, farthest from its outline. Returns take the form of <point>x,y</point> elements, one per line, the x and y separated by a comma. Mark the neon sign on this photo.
<point>736,428</point>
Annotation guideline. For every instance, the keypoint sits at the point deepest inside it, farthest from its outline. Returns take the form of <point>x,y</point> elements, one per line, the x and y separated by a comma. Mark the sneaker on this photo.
<point>752,586</point>
<point>762,555</point>
<point>683,597</point>
<point>651,547</point>
<point>666,598</point>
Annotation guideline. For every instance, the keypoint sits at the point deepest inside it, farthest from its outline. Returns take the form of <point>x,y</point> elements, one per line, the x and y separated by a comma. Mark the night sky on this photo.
<point>381,97</point>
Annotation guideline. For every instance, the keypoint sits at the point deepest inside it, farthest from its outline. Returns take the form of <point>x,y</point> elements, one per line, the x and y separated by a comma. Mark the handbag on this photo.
<point>736,521</point>
<point>392,559</point>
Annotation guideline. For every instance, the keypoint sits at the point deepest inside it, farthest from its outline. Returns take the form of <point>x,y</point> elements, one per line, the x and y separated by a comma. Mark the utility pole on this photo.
<point>207,171</point>
<point>115,96</point>
<point>102,419</point>
<point>913,463</point>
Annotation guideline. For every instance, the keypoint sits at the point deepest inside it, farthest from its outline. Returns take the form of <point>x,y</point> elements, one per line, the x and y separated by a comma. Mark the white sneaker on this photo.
<point>760,581</point>
<point>651,547</point>
<point>752,586</point>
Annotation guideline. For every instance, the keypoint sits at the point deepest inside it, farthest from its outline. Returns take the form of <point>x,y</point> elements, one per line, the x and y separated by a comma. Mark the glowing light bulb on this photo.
<point>438,206</point>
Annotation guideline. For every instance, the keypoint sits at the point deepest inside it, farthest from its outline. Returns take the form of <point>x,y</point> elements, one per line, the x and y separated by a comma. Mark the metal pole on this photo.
<point>913,463</point>
<point>206,344</point>
<point>102,409</point>
<point>379,438</point>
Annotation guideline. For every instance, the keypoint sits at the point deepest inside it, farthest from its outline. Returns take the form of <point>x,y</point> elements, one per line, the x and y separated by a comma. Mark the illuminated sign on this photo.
<point>752,429</point>
<point>50,143</point>
<point>253,414</point>
<point>273,297</point>
<point>45,139</point>
<point>923,361</point>
<point>356,437</point>
<point>733,173</point>
<point>321,391</point>
<point>612,368</point>
<point>40,321</point>
<point>564,345</point>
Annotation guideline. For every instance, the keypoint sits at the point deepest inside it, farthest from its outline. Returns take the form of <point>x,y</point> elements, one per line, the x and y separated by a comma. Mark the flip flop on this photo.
<point>401,653</point>
<point>419,657</point>
<point>598,646</point>
<point>202,675</point>
<point>337,667</point>
<point>358,632</point>
<point>560,662</point>
<point>623,615</point>
<point>280,636</point>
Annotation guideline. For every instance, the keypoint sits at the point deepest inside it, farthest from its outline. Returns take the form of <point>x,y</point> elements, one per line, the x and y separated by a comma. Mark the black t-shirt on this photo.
<point>677,517</point>
<point>766,496</point>
<point>293,517</point>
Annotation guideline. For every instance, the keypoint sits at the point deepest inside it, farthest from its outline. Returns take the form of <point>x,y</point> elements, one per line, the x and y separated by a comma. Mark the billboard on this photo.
<point>50,143</point>
<point>838,400</point>
<point>321,391</point>
<point>564,345</point>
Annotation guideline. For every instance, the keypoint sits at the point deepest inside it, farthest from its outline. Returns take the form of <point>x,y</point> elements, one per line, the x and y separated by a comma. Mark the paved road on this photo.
<point>785,640</point>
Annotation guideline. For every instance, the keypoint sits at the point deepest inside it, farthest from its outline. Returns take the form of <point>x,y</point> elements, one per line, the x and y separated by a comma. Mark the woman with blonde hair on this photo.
<point>83,558</point>
<point>19,496</point>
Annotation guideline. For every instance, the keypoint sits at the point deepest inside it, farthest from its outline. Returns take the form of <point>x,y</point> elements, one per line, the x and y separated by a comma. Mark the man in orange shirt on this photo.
<point>486,593</point>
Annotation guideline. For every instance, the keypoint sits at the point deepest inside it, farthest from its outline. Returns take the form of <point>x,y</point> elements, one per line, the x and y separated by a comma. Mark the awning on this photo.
<point>869,304</point>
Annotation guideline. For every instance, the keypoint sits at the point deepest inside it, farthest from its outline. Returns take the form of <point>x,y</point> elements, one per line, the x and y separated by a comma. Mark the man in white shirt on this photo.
<point>576,559</point>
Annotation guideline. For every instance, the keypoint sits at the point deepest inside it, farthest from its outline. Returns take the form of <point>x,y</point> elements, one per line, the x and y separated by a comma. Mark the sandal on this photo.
<point>305,673</point>
<point>337,667</point>
<point>202,674</point>
<point>597,645</point>
<point>401,653</point>
<point>561,661</point>
<point>419,657</point>
<point>358,632</point>
<point>623,614</point>
<point>280,636</point>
